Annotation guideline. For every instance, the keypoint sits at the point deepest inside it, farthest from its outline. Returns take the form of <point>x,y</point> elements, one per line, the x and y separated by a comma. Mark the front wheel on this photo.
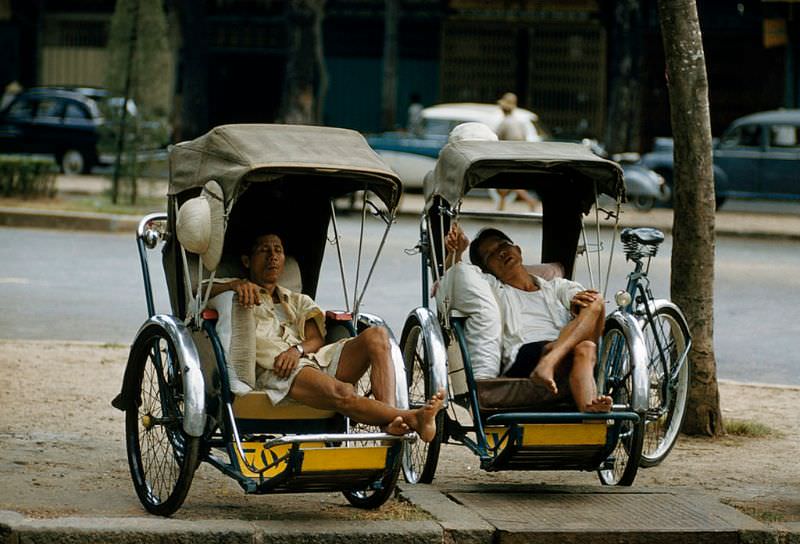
<point>615,379</point>
<point>161,456</point>
<point>420,458</point>
<point>373,497</point>
<point>669,384</point>
<point>73,162</point>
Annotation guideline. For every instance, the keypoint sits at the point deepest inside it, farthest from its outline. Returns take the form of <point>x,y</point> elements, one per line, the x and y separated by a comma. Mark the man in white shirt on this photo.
<point>550,328</point>
<point>293,360</point>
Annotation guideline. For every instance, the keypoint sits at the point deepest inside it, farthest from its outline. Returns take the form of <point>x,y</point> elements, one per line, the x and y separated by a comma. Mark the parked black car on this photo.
<point>757,157</point>
<point>74,124</point>
<point>58,122</point>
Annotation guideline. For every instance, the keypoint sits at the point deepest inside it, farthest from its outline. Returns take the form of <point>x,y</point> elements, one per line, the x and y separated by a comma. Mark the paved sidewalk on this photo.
<point>473,514</point>
<point>728,223</point>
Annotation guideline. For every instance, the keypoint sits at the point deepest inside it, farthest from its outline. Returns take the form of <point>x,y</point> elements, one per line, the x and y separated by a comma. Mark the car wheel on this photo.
<point>643,203</point>
<point>73,162</point>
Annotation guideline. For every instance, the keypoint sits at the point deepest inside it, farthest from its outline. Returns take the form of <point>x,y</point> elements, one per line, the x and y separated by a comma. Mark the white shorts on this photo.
<point>277,388</point>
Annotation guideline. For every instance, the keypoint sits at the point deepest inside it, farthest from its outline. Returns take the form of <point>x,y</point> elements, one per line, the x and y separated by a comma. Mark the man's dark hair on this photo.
<point>247,250</point>
<point>483,235</point>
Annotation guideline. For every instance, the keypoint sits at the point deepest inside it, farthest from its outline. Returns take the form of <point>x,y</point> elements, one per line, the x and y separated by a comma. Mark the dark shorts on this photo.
<point>527,358</point>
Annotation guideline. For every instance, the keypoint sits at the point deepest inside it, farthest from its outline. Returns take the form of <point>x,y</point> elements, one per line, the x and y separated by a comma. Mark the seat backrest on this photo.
<point>236,328</point>
<point>469,295</point>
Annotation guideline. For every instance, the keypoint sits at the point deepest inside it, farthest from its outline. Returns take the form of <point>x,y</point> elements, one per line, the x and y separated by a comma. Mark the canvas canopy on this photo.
<point>232,154</point>
<point>572,167</point>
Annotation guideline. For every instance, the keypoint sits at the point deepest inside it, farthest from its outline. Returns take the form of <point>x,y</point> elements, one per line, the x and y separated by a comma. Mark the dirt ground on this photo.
<point>62,450</point>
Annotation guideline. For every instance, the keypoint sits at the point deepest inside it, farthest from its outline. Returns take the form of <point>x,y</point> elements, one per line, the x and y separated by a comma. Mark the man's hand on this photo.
<point>455,242</point>
<point>286,362</point>
<point>247,292</point>
<point>583,299</point>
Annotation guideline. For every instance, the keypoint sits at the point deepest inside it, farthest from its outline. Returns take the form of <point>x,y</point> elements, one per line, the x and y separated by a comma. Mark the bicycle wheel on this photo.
<point>372,498</point>
<point>419,458</point>
<point>615,380</point>
<point>669,384</point>
<point>162,458</point>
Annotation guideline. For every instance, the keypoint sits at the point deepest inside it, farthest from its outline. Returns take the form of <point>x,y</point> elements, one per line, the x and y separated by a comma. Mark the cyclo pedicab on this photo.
<point>642,358</point>
<point>183,402</point>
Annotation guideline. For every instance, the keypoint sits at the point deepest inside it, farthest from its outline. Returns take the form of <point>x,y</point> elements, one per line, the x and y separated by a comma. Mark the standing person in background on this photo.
<point>513,128</point>
<point>414,123</point>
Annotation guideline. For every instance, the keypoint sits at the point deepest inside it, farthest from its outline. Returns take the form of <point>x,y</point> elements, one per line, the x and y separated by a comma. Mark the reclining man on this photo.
<point>292,358</point>
<point>550,328</point>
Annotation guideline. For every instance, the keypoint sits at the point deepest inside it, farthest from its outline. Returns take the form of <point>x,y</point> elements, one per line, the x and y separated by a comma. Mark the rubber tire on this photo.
<point>420,459</point>
<point>615,380</point>
<point>643,203</point>
<point>369,499</point>
<point>163,489</point>
<point>374,498</point>
<point>73,162</point>
<point>659,440</point>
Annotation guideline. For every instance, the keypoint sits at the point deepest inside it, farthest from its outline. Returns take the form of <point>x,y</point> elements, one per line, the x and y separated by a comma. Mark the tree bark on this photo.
<point>193,114</point>
<point>389,91</point>
<point>306,77</point>
<point>692,281</point>
<point>624,95</point>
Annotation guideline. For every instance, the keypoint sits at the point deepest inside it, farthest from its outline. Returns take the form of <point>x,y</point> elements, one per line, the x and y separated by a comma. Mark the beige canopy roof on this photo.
<point>467,164</point>
<point>231,154</point>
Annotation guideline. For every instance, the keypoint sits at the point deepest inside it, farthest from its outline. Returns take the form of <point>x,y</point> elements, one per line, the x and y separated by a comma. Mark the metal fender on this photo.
<point>401,388</point>
<point>434,342</point>
<point>194,400</point>
<point>635,338</point>
<point>657,304</point>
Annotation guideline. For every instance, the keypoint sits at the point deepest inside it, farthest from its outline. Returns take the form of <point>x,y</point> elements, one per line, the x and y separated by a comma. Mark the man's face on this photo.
<point>500,256</point>
<point>266,260</point>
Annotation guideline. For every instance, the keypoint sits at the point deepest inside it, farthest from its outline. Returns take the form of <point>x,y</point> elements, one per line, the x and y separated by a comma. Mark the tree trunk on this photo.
<point>193,114</point>
<point>624,96</point>
<point>389,94</point>
<point>692,281</point>
<point>306,79</point>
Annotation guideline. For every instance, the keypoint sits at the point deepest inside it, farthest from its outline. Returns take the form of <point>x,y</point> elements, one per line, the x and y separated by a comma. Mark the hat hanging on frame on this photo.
<point>200,225</point>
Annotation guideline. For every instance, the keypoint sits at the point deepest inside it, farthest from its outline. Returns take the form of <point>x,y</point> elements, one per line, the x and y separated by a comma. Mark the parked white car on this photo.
<point>414,155</point>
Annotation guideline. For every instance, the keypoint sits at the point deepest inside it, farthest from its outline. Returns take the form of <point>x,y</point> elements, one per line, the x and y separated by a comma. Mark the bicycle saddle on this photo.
<point>647,236</point>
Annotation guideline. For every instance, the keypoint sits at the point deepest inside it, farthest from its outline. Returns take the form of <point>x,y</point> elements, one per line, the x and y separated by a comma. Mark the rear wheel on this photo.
<point>669,384</point>
<point>644,203</point>
<point>376,496</point>
<point>615,379</point>
<point>73,162</point>
<point>162,458</point>
<point>419,458</point>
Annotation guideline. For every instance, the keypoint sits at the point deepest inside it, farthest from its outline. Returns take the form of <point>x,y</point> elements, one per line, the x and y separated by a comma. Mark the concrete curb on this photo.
<point>16,529</point>
<point>744,225</point>
<point>53,219</point>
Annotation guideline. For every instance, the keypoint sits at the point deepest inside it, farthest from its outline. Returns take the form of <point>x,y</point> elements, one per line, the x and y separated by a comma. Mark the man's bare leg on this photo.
<point>581,380</point>
<point>318,390</point>
<point>583,327</point>
<point>369,351</point>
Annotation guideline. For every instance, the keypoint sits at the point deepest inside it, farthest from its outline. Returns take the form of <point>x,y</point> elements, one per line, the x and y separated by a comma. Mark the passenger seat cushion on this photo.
<point>469,293</point>
<point>506,394</point>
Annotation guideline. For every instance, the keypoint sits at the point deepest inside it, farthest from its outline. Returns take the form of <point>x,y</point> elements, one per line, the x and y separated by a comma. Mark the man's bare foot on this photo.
<point>543,375</point>
<point>423,420</point>
<point>600,404</point>
<point>397,427</point>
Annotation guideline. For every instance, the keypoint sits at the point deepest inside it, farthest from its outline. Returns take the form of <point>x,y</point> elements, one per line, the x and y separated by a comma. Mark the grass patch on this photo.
<point>94,204</point>
<point>748,429</point>
<point>760,512</point>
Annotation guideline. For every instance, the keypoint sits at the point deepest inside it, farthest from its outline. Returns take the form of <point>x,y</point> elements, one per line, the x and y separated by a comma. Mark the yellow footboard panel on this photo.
<point>592,433</point>
<point>316,458</point>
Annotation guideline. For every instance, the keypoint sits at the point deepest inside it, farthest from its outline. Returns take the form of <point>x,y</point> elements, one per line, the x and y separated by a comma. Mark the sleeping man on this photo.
<point>293,361</point>
<point>550,329</point>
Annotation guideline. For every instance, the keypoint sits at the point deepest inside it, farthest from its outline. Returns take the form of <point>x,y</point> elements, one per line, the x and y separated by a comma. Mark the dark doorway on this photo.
<point>245,87</point>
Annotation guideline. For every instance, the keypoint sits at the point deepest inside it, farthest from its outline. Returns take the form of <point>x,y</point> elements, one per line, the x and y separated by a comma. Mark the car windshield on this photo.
<point>439,127</point>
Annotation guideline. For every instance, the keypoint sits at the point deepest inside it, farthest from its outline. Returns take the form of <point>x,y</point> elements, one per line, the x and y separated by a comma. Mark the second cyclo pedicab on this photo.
<point>183,401</point>
<point>495,418</point>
